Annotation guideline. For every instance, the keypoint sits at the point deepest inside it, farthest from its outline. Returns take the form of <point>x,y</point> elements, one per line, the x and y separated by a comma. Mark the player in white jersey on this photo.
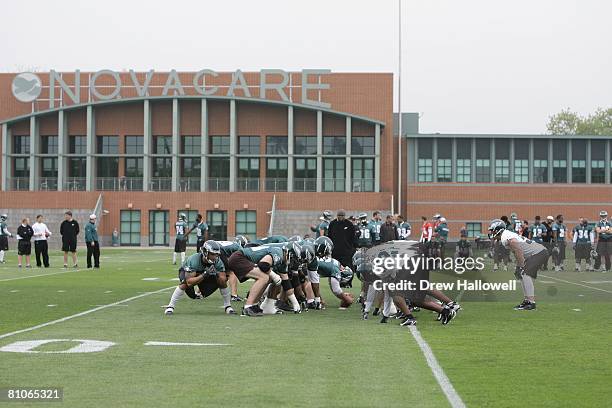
<point>530,256</point>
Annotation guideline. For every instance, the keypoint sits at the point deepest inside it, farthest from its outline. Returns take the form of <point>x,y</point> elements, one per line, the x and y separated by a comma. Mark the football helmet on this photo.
<point>293,249</point>
<point>210,247</point>
<point>594,254</point>
<point>496,228</point>
<point>323,247</point>
<point>295,238</point>
<point>327,215</point>
<point>241,240</point>
<point>346,274</point>
<point>363,218</point>
<point>3,217</point>
<point>307,254</point>
<point>183,217</point>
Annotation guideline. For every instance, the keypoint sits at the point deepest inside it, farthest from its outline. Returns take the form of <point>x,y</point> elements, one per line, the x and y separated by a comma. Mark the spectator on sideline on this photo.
<point>41,233</point>
<point>91,239</point>
<point>404,229</point>
<point>24,246</point>
<point>342,233</point>
<point>115,237</point>
<point>525,229</point>
<point>388,231</point>
<point>69,229</point>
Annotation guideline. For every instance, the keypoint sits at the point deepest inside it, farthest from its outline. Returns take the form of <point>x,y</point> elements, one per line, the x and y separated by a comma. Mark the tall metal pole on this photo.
<point>399,108</point>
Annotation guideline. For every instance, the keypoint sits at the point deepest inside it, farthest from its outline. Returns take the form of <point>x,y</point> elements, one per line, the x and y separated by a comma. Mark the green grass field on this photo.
<point>556,356</point>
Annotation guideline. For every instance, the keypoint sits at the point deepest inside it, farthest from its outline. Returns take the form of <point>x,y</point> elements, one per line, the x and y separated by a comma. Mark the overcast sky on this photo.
<point>468,66</point>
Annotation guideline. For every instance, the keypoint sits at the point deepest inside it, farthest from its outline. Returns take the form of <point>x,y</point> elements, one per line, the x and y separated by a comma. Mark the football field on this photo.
<point>114,346</point>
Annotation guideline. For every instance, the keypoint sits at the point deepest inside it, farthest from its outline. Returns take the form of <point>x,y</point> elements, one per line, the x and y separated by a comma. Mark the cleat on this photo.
<point>360,299</point>
<point>230,310</point>
<point>169,311</point>
<point>364,316</point>
<point>521,305</point>
<point>284,306</point>
<point>198,296</point>
<point>236,298</point>
<point>376,311</point>
<point>529,306</point>
<point>384,319</point>
<point>75,266</point>
<point>252,311</point>
<point>416,309</point>
<point>311,306</point>
<point>409,321</point>
<point>454,306</point>
<point>400,315</point>
<point>65,265</point>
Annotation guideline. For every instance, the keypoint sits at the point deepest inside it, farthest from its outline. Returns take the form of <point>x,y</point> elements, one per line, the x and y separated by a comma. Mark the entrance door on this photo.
<point>159,233</point>
<point>217,225</point>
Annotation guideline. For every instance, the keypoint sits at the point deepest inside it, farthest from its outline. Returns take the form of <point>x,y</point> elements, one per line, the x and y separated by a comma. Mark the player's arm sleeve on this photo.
<point>335,286</point>
<point>429,234</point>
<point>592,236</point>
<point>575,238</point>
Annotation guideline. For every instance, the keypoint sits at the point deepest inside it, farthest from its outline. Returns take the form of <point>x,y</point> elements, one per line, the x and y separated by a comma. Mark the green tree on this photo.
<point>567,122</point>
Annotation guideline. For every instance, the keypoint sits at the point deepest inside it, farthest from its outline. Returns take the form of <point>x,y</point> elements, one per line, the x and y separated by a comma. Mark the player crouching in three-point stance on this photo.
<point>530,256</point>
<point>206,270</point>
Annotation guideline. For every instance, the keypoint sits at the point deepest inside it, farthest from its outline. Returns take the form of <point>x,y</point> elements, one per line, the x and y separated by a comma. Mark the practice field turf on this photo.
<point>558,355</point>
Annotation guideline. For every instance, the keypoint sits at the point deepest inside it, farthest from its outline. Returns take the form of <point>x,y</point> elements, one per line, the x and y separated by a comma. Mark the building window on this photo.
<point>333,174</point>
<point>464,162</point>
<point>248,145</point>
<point>130,228</point>
<point>218,173</point>
<point>133,166</point>
<point>362,145</point>
<point>77,167</point>
<point>134,145</point>
<point>483,160</point>
<point>598,161</point>
<point>363,174</point>
<point>334,145</point>
<point>502,161</point>
<point>191,145</point>
<point>190,167</point>
<point>521,160</point>
<point>540,161</point>
<point>217,225</point>
<point>276,174</point>
<point>473,229</point>
<point>21,167</point>
<point>305,175</point>
<point>162,167</point>
<point>219,144</point>
<point>49,167</point>
<point>77,145</point>
<point>108,144</point>
<point>107,167</point>
<point>443,164</point>
<point>248,174</point>
<point>246,223</point>
<point>276,145</point>
<point>21,144</point>
<point>578,161</point>
<point>162,145</point>
<point>48,145</point>
<point>306,145</point>
<point>425,161</point>
<point>559,161</point>
<point>159,233</point>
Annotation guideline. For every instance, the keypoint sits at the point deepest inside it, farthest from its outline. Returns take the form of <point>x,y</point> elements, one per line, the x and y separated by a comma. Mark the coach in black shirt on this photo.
<point>342,233</point>
<point>69,229</point>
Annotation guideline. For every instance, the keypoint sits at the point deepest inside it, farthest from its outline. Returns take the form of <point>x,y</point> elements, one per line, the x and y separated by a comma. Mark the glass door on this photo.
<point>159,233</point>
<point>217,225</point>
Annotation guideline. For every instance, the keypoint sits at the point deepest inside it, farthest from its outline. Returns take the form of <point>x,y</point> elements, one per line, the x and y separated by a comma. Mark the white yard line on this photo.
<point>86,312</point>
<point>451,394</point>
<point>42,274</point>
<point>170,343</point>
<point>577,284</point>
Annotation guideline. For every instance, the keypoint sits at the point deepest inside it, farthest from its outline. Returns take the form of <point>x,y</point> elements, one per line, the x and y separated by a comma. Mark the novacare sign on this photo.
<point>27,86</point>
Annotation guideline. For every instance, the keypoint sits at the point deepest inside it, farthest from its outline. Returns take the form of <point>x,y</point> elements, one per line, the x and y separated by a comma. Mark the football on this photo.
<point>345,303</point>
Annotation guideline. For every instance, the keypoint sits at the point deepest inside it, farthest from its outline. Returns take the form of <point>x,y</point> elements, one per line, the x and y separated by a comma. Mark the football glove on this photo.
<point>518,272</point>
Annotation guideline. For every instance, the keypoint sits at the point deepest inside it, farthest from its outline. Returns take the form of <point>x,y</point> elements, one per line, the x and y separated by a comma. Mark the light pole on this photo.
<point>399,118</point>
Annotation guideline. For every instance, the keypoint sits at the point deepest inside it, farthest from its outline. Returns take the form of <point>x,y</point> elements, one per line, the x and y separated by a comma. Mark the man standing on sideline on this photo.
<point>559,232</point>
<point>24,246</point>
<point>342,233</point>
<point>4,236</point>
<point>91,239</point>
<point>41,233</point>
<point>604,240</point>
<point>388,231</point>
<point>403,228</point>
<point>69,229</point>
<point>201,229</point>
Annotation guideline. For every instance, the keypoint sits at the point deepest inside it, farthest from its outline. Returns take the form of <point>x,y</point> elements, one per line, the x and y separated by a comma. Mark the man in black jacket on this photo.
<point>24,246</point>
<point>342,233</point>
<point>69,229</point>
<point>388,231</point>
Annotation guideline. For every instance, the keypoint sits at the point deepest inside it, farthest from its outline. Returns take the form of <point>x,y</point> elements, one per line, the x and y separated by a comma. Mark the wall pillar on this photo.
<point>147,143</point>
<point>290,148</point>
<point>34,145</point>
<point>319,151</point>
<point>204,144</point>
<point>90,173</point>
<point>233,145</point>
<point>176,138</point>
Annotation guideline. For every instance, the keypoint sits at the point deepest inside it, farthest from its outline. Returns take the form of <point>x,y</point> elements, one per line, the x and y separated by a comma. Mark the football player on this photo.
<point>403,228</point>
<point>604,240</point>
<point>227,249</point>
<point>530,256</point>
<point>4,235</point>
<point>206,270</point>
<point>264,264</point>
<point>584,242</point>
<point>558,238</point>
<point>515,223</point>
<point>201,229</point>
<point>272,239</point>
<point>336,274</point>
<point>367,231</point>
<point>537,230</point>
<point>323,226</point>
<point>180,243</point>
<point>463,249</point>
<point>441,232</point>
<point>377,222</point>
